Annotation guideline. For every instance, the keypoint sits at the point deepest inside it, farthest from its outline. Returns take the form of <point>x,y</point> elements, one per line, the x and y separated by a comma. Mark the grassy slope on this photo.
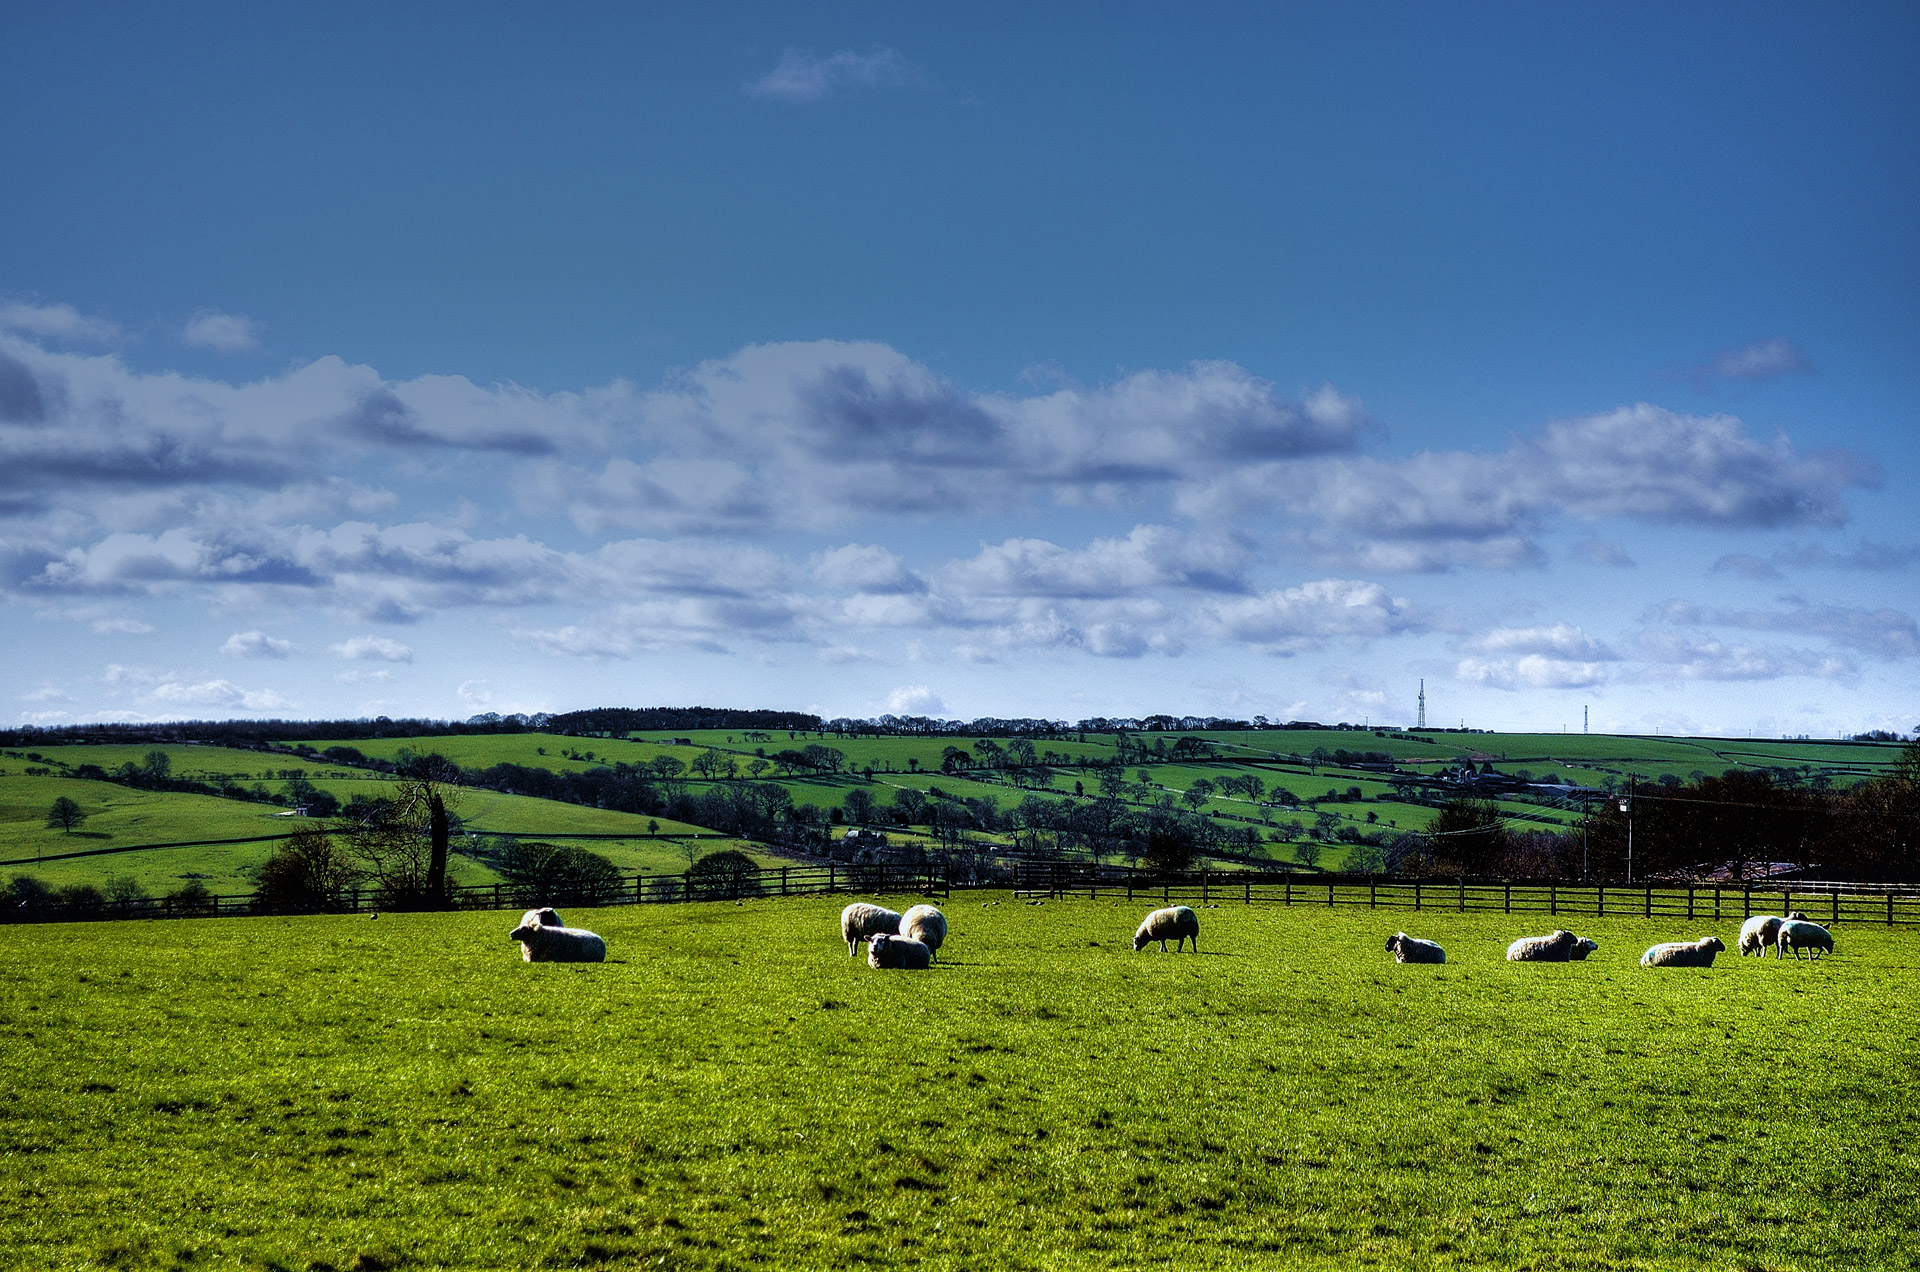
<point>733,1091</point>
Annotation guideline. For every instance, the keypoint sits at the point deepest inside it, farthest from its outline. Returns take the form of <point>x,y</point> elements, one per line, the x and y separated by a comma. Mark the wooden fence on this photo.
<point>1824,902</point>
<point>640,889</point>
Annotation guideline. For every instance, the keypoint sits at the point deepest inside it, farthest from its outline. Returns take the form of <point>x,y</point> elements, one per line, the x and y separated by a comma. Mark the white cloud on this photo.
<point>1149,557</point>
<point>914,700</point>
<point>372,648</point>
<point>1296,619</point>
<point>1531,671</point>
<point>56,322</point>
<point>1886,632</point>
<point>222,333</point>
<point>121,627</point>
<point>256,644</point>
<point>802,77</point>
<point>1717,660</point>
<point>364,675</point>
<point>215,693</point>
<point>864,568</point>
<point>1560,641</point>
<point>1762,360</point>
<point>1601,552</point>
<point>475,693</point>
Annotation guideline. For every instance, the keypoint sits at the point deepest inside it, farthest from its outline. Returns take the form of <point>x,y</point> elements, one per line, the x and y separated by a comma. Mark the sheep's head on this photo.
<point>524,932</point>
<point>1713,943</point>
<point>1393,942</point>
<point>879,942</point>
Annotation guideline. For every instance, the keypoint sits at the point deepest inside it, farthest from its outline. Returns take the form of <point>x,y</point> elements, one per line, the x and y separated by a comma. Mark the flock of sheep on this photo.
<point>1794,932</point>
<point>910,941</point>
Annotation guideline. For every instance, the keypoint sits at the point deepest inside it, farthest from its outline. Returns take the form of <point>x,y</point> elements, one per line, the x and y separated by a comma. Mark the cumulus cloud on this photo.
<point>256,644</point>
<point>1149,557</point>
<point>215,693</point>
<point>914,700</point>
<point>222,333</point>
<point>1442,509</point>
<point>1867,556</point>
<point>810,435</point>
<point>1558,640</point>
<point>865,568</point>
<point>1293,620</point>
<point>1709,659</point>
<point>475,693</point>
<point>802,77</point>
<point>1763,360</point>
<point>372,648</point>
<point>56,322</point>
<point>1885,632</point>
<point>1531,671</point>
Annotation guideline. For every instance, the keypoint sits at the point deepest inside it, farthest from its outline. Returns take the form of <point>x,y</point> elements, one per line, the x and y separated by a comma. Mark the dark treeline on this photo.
<point>615,722</point>
<point>1738,826</point>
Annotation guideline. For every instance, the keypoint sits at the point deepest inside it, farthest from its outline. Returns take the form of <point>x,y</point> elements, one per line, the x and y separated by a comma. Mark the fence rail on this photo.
<point>1824,902</point>
<point>639,889</point>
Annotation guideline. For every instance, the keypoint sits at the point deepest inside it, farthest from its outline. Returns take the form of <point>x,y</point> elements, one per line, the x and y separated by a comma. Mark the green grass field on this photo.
<point>731,1091</point>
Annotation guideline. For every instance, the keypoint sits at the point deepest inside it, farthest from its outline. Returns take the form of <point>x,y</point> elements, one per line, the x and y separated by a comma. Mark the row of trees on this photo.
<point>1741,824</point>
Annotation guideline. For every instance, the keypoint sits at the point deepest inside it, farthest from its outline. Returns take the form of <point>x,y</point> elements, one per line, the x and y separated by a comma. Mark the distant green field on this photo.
<point>732,1091</point>
<point>200,763</point>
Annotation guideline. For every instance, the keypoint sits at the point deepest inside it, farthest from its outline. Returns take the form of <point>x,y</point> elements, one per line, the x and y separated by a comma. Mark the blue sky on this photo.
<point>964,360</point>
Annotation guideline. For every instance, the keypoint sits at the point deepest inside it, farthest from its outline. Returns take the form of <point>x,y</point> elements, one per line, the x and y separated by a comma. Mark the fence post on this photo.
<point>496,896</point>
<point>689,885</point>
<point>1889,907</point>
<point>1286,898</point>
<point>1786,900</point>
<point>1836,903</point>
<point>829,877</point>
<point>1746,901</point>
<point>1689,903</point>
<point>1373,892</point>
<point>1203,885</point>
<point>1716,901</point>
<point>1329,895</point>
<point>1463,896</point>
<point>1553,899</point>
<point>1509,896</point>
<point>1648,912</point>
<point>1416,894</point>
<point>1129,884</point>
<point>1600,892</point>
<point>783,881</point>
<point>1248,885</point>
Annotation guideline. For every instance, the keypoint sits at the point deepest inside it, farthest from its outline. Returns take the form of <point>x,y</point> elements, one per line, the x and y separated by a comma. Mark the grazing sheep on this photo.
<point>542,944</point>
<point>1757,933</point>
<point>545,916</point>
<point>1178,924</point>
<point>1797,935</point>
<point>885,951</point>
<point>860,921</point>
<point>925,924</point>
<point>1411,949</point>
<point>1683,953</point>
<point>1559,946</point>
<point>1798,914</point>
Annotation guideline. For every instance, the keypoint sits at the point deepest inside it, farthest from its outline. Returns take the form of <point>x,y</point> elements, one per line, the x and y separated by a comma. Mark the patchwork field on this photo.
<point>732,1091</point>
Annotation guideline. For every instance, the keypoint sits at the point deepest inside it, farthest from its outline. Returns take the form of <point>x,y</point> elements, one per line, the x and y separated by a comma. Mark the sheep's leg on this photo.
<point>1163,945</point>
<point>853,948</point>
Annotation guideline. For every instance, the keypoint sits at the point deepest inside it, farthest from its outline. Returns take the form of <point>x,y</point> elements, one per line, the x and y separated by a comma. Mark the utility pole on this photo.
<point>1583,719</point>
<point>1626,806</point>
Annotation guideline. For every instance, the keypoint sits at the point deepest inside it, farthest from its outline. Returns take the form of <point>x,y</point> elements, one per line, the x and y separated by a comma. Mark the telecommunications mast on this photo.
<point>1423,705</point>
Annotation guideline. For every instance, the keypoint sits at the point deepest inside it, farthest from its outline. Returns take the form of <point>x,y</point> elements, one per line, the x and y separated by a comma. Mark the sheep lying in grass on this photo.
<point>545,916</point>
<point>925,924</point>
<point>1410,949</point>
<point>885,951</point>
<point>1559,946</point>
<point>1683,953</point>
<point>1178,924</point>
<point>860,922</point>
<point>542,944</point>
<point>1797,935</point>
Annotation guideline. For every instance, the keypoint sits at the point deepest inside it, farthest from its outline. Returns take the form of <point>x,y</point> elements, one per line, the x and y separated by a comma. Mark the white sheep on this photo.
<point>1178,924</point>
<point>545,916</point>
<point>542,944</point>
<point>1683,953</point>
<point>860,921</point>
<point>1757,934</point>
<point>1559,946</point>
<point>885,951</point>
<point>1797,935</point>
<point>1410,949</point>
<point>925,924</point>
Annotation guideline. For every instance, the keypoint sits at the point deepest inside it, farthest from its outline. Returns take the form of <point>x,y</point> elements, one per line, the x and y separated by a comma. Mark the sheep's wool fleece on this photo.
<point>898,952</point>
<point>542,944</point>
